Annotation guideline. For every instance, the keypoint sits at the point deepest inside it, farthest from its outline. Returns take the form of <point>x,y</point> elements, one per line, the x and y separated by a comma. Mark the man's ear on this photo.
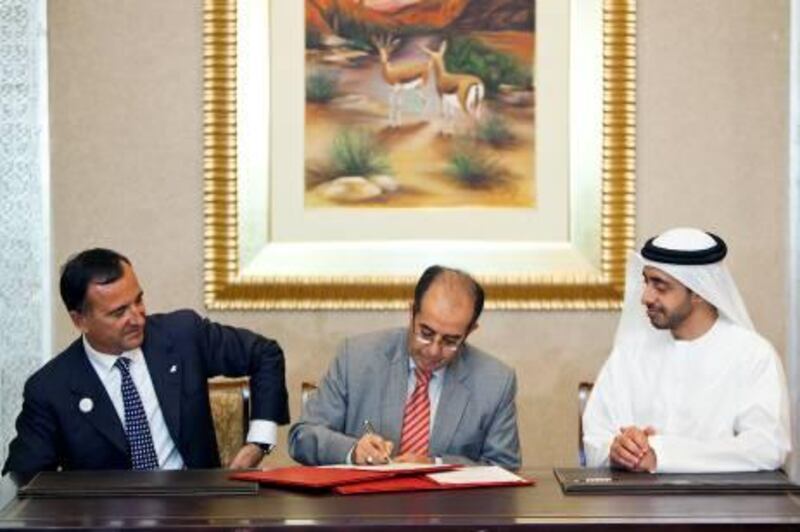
<point>77,319</point>
<point>697,300</point>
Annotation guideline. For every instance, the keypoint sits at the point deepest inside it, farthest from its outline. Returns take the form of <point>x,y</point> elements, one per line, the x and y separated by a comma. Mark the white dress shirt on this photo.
<point>168,455</point>
<point>261,431</point>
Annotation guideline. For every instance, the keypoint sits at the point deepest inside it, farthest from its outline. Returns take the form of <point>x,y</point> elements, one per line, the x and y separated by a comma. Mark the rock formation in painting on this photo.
<point>472,15</point>
<point>495,15</point>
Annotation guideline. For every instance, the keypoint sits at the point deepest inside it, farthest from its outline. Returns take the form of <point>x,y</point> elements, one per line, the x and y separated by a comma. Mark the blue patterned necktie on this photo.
<point>143,453</point>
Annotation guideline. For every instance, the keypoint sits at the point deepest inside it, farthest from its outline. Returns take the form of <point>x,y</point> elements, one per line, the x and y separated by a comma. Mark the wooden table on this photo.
<point>539,507</point>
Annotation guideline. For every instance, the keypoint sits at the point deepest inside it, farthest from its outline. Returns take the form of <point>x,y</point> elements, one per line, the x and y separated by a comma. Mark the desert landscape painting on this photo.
<point>420,104</point>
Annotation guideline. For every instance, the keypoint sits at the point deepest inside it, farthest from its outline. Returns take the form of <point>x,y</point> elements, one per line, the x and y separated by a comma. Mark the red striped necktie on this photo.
<point>417,417</point>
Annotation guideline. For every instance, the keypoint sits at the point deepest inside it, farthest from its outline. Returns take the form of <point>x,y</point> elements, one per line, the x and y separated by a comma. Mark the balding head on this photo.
<point>451,284</point>
<point>445,311</point>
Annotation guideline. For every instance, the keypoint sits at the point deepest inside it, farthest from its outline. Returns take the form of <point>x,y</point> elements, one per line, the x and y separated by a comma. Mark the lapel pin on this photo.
<point>86,405</point>
<point>173,368</point>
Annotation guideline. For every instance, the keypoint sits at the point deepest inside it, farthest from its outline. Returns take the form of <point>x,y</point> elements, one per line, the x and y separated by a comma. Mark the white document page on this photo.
<point>476,475</point>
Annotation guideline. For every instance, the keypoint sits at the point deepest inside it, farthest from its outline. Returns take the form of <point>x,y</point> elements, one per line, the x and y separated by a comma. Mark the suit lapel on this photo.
<point>394,393</point>
<point>92,400</point>
<point>165,372</point>
<point>452,404</point>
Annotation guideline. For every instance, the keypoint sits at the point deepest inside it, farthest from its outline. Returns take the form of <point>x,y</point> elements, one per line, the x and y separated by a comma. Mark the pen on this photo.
<point>369,429</point>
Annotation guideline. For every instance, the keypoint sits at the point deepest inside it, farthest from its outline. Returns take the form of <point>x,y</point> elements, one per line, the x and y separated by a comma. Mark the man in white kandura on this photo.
<point>696,389</point>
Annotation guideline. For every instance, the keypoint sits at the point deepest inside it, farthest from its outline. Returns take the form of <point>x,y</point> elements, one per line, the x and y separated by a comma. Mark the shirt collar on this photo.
<point>106,361</point>
<point>412,366</point>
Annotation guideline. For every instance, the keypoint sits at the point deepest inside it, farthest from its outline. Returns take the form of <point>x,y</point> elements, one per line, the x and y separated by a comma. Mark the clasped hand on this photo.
<point>631,449</point>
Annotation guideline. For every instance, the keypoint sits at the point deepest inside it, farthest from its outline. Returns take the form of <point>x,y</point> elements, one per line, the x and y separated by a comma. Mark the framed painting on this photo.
<point>348,144</point>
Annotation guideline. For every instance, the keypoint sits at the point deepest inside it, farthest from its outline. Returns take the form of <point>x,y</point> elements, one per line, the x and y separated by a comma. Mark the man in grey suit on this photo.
<point>422,391</point>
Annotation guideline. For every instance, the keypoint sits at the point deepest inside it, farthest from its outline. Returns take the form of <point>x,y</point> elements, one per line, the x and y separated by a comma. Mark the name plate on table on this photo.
<point>610,481</point>
<point>135,483</point>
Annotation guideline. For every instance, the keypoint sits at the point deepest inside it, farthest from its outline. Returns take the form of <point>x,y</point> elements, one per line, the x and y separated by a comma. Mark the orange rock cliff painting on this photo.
<point>420,104</point>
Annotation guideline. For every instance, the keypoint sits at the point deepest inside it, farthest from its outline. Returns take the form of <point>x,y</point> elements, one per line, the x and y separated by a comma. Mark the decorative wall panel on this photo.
<point>24,231</point>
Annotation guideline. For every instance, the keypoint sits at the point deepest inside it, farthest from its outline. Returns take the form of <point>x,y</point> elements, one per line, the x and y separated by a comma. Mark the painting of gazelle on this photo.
<point>420,104</point>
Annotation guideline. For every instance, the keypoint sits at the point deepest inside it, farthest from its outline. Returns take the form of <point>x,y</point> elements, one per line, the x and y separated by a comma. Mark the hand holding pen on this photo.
<point>372,448</point>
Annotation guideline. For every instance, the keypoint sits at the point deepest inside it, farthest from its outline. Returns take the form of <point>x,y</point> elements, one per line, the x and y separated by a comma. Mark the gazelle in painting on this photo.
<point>456,91</point>
<point>401,77</point>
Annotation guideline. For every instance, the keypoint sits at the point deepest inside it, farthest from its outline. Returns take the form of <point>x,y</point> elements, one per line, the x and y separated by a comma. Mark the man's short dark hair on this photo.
<point>93,266</point>
<point>433,272</point>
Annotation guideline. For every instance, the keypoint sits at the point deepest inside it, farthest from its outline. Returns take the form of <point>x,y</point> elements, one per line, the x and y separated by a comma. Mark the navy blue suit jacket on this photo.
<point>182,351</point>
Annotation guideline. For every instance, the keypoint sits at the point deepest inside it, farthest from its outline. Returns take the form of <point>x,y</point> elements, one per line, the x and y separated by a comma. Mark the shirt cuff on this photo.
<point>656,443</point>
<point>262,431</point>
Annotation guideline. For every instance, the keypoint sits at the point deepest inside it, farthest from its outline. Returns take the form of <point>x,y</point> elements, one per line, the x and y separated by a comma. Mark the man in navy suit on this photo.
<point>85,410</point>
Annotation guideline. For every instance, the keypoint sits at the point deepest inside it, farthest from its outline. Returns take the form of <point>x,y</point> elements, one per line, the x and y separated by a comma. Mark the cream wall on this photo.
<point>126,89</point>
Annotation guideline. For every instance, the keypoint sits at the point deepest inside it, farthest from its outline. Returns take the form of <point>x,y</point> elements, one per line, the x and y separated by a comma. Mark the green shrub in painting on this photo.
<point>321,86</point>
<point>473,168</point>
<point>495,68</point>
<point>354,152</point>
<point>495,131</point>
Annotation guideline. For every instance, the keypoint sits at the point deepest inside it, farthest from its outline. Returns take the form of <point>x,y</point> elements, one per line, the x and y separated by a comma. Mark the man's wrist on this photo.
<point>266,448</point>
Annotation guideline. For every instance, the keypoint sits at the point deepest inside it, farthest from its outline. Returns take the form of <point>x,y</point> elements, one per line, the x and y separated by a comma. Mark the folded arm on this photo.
<point>760,441</point>
<point>34,448</point>
<point>318,438</point>
<point>759,438</point>
<point>601,417</point>
<point>236,352</point>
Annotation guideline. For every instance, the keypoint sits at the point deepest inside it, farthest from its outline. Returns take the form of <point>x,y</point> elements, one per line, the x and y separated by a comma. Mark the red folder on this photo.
<point>416,483</point>
<point>325,477</point>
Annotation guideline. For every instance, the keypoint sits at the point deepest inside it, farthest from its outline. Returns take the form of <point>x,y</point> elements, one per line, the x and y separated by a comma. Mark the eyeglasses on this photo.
<point>426,336</point>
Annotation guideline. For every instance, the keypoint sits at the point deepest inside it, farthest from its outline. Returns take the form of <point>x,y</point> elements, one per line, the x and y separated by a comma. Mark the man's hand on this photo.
<point>648,462</point>
<point>249,455</point>
<point>631,449</point>
<point>411,458</point>
<point>372,449</point>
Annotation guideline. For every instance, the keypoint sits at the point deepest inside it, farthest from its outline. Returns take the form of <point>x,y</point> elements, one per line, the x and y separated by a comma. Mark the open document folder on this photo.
<point>387,478</point>
<point>467,477</point>
<point>325,477</point>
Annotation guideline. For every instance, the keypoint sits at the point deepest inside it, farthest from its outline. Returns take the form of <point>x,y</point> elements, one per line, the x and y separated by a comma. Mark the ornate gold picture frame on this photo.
<point>248,267</point>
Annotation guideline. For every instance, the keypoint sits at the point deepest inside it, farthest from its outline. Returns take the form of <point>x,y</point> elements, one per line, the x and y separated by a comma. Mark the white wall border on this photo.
<point>793,244</point>
<point>25,284</point>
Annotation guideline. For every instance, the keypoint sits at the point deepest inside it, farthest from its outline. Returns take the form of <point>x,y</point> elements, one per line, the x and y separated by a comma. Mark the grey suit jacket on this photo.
<point>476,420</point>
